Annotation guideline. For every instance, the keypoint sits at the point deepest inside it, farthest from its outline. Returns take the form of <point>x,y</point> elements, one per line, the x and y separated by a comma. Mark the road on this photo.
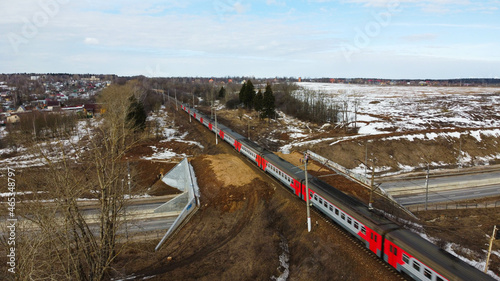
<point>493,177</point>
<point>445,188</point>
<point>450,195</point>
<point>140,217</point>
<point>132,208</point>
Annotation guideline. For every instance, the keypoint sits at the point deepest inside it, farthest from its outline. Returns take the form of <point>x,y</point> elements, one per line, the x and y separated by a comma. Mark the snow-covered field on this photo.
<point>409,108</point>
<point>30,157</point>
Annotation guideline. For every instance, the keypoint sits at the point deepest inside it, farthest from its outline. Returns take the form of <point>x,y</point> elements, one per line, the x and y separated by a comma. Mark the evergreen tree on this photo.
<point>268,104</point>
<point>243,93</point>
<point>136,114</point>
<point>222,92</point>
<point>258,101</point>
<point>249,94</point>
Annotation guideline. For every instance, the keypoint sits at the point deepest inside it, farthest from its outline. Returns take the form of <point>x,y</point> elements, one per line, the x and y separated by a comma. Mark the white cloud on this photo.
<point>420,37</point>
<point>240,8</point>
<point>91,41</point>
<point>428,5</point>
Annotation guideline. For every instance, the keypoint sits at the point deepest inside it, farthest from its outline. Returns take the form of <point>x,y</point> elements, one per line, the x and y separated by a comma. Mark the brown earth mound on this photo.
<point>231,170</point>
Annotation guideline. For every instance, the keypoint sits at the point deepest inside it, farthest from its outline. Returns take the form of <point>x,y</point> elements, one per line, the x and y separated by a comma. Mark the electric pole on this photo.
<point>175,92</point>
<point>427,187</point>
<point>493,237</point>
<point>306,159</point>
<point>216,132</point>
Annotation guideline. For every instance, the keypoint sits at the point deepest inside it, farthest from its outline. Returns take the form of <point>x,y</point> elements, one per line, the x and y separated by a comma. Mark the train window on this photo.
<point>342,216</point>
<point>325,204</point>
<point>439,278</point>
<point>336,211</point>
<point>375,237</point>
<point>363,230</point>
<point>416,265</point>
<point>349,220</point>
<point>315,197</point>
<point>320,201</point>
<point>395,251</point>
<point>390,249</point>
<point>331,208</point>
<point>427,273</point>
<point>356,225</point>
<point>406,259</point>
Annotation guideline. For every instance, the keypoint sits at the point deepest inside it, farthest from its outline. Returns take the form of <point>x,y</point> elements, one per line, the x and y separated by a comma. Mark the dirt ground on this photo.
<point>391,154</point>
<point>467,229</point>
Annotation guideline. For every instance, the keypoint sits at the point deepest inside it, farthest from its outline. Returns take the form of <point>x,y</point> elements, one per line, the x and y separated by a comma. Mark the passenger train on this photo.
<point>402,249</point>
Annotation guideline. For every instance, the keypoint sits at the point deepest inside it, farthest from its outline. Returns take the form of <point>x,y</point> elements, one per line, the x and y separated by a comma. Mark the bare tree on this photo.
<point>355,105</point>
<point>73,244</point>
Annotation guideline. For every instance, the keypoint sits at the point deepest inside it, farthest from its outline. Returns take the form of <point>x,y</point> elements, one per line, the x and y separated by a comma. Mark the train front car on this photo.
<point>421,260</point>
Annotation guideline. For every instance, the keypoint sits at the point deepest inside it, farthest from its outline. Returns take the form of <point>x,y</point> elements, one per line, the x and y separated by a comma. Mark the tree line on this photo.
<point>264,103</point>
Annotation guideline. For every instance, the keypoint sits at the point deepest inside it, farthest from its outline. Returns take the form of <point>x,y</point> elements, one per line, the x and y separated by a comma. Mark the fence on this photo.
<point>361,179</point>
<point>325,161</point>
<point>181,176</point>
<point>454,206</point>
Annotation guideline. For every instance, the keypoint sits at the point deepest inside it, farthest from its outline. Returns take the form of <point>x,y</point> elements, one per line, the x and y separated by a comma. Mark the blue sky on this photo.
<point>268,38</point>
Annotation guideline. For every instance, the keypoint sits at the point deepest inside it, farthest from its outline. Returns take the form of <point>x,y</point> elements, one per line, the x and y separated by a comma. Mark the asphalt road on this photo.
<point>142,207</point>
<point>442,180</point>
<point>450,195</point>
<point>163,223</point>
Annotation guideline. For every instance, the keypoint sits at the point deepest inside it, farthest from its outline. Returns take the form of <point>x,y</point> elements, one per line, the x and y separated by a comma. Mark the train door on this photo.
<point>237,145</point>
<point>391,254</point>
<point>375,242</point>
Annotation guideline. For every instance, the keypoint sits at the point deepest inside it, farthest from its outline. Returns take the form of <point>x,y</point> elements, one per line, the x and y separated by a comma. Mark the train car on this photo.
<point>352,214</point>
<point>252,151</point>
<point>288,174</point>
<point>421,260</point>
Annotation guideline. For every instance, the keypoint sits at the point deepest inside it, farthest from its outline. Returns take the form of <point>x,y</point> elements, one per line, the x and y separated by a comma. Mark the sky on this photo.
<point>398,39</point>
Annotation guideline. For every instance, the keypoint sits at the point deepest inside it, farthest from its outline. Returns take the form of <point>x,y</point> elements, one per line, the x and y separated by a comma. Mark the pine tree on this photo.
<point>258,101</point>
<point>268,106</point>
<point>243,93</point>
<point>249,94</point>
<point>136,114</point>
<point>222,92</point>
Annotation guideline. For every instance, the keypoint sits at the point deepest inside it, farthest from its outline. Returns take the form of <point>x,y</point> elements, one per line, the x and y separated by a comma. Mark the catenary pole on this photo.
<point>306,159</point>
<point>427,187</point>
<point>216,132</point>
<point>495,229</point>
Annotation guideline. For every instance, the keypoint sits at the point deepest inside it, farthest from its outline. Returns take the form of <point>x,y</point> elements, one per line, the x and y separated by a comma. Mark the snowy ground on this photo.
<point>30,157</point>
<point>409,108</point>
<point>169,133</point>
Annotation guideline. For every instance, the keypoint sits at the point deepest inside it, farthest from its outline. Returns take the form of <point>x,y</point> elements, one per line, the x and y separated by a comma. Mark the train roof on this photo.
<point>285,166</point>
<point>357,206</point>
<point>435,257</point>
<point>253,146</point>
<point>232,133</point>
